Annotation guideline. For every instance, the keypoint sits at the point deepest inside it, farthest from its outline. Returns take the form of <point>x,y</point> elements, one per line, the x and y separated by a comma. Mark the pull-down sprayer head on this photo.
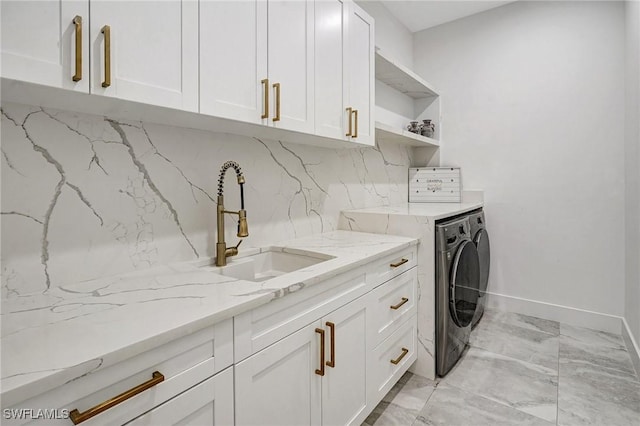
<point>223,170</point>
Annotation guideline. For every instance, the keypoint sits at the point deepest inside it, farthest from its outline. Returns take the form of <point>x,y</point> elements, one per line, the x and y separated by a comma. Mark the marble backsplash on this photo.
<point>84,196</point>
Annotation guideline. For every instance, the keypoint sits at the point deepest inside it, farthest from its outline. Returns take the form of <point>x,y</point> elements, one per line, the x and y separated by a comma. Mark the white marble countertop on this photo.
<point>50,339</point>
<point>432,211</point>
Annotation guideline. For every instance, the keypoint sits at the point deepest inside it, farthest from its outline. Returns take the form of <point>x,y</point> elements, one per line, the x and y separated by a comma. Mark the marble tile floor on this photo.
<point>522,370</point>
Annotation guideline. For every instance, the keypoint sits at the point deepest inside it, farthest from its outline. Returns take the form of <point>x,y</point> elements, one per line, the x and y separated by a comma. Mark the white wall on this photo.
<point>533,110</point>
<point>391,35</point>
<point>632,168</point>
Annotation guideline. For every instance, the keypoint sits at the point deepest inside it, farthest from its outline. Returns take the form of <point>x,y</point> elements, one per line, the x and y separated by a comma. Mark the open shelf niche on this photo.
<point>403,96</point>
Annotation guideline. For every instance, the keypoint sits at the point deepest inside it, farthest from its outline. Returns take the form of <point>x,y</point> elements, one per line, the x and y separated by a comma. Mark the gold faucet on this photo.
<point>222,252</point>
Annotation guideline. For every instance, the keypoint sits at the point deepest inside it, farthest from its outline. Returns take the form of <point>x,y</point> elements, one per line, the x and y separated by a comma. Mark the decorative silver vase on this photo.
<point>427,128</point>
<point>414,127</point>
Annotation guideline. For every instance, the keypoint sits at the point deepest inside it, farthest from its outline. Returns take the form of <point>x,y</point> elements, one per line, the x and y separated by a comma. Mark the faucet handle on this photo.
<point>232,251</point>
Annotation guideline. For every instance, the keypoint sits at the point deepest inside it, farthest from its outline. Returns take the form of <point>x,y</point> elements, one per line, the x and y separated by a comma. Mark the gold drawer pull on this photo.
<point>77,21</point>
<point>106,30</point>
<point>276,86</point>
<point>320,372</point>
<point>78,417</point>
<point>402,302</point>
<point>402,262</point>
<point>355,132</point>
<point>396,361</point>
<point>349,114</point>
<point>265,82</point>
<point>332,334</point>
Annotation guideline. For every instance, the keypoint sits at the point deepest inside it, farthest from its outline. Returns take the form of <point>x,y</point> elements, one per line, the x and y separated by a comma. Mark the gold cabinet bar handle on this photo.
<point>265,82</point>
<point>106,30</point>
<point>402,262</point>
<point>396,361</point>
<point>320,372</point>
<point>77,21</point>
<point>332,334</point>
<point>402,302</point>
<point>349,113</point>
<point>355,132</point>
<point>277,87</point>
<point>78,417</point>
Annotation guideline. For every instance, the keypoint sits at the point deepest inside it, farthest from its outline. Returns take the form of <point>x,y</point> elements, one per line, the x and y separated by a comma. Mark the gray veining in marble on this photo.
<point>528,387</point>
<point>523,321</point>
<point>596,383</point>
<point>85,196</point>
<point>403,402</point>
<point>587,335</point>
<point>452,406</point>
<point>523,343</point>
<point>592,396</point>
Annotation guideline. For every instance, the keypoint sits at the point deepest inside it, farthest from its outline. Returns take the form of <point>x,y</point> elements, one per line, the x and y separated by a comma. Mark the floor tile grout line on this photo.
<point>435,387</point>
<point>528,316</point>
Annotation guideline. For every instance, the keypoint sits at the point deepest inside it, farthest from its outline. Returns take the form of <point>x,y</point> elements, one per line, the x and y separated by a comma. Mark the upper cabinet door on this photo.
<point>146,51</point>
<point>331,29</point>
<point>291,64</point>
<point>361,75</point>
<point>41,43</point>
<point>233,59</point>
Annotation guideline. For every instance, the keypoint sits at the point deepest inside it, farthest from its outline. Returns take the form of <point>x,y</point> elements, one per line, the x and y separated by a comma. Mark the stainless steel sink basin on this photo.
<point>269,264</point>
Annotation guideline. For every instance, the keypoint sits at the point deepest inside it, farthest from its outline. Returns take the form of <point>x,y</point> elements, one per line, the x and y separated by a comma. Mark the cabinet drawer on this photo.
<point>392,304</point>
<point>183,362</point>
<point>256,329</point>
<point>383,373</point>
<point>209,403</point>
<point>391,266</point>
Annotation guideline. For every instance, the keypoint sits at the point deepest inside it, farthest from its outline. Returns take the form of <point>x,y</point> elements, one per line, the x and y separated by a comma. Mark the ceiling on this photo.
<point>418,15</point>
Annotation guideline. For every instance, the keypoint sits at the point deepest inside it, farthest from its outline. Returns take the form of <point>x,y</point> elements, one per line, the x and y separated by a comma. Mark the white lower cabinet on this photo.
<point>278,385</point>
<point>184,379</point>
<point>209,403</point>
<point>334,370</point>
<point>319,388</point>
<point>344,386</point>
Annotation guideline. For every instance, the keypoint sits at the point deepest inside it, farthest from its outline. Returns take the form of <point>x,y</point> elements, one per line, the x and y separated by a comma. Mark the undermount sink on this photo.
<point>268,264</point>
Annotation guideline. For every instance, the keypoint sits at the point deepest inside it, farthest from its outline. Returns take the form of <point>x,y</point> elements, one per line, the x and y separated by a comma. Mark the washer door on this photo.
<point>465,281</point>
<point>481,241</point>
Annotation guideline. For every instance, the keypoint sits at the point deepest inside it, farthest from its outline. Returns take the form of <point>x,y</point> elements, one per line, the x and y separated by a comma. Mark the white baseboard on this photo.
<point>632,345</point>
<point>565,314</point>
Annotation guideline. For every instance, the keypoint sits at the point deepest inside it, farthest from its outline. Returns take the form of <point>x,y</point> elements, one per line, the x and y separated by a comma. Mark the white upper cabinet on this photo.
<point>146,51</point>
<point>42,41</point>
<point>361,81</point>
<point>290,64</point>
<point>344,80</point>
<point>331,26</point>
<point>256,62</point>
<point>233,59</point>
<point>293,65</point>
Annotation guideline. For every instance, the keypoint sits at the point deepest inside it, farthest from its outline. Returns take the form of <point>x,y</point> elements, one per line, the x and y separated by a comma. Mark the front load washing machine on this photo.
<point>457,281</point>
<point>480,238</point>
